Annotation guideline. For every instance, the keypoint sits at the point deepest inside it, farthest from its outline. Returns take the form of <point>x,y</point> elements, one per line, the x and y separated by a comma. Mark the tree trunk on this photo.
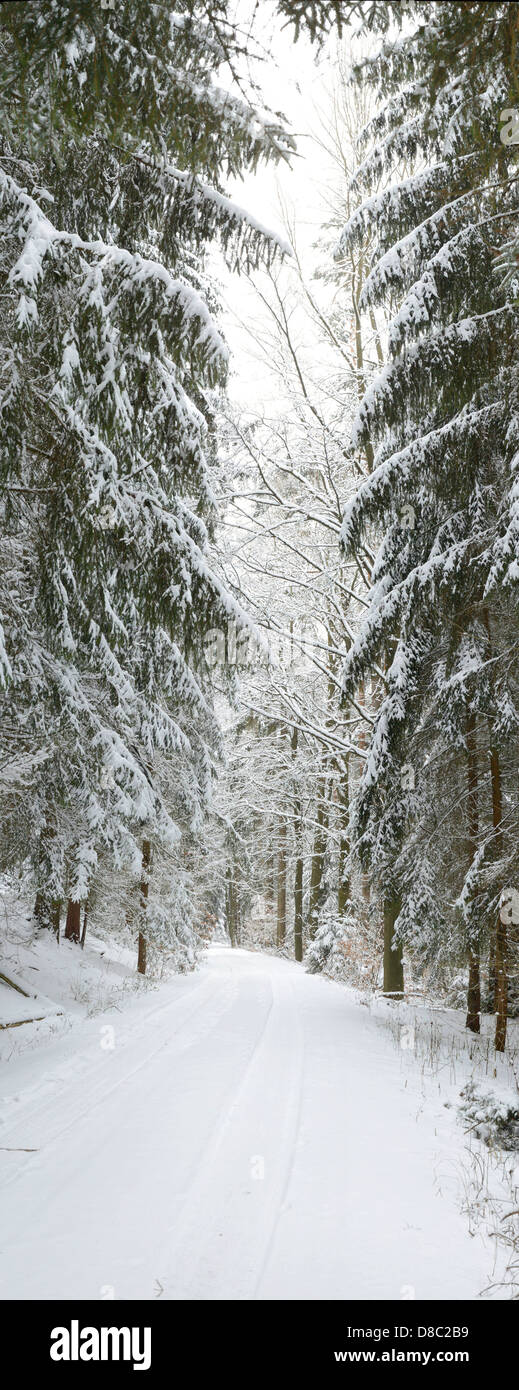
<point>282,884</point>
<point>46,913</point>
<point>299,868</point>
<point>40,911</point>
<point>231,905</point>
<point>501,986</point>
<point>501,940</point>
<point>356,291</point>
<point>142,945</point>
<point>393,964</point>
<point>141,954</point>
<point>84,932</point>
<point>238,902</point>
<point>318,858</point>
<point>271,877</point>
<point>344,887</point>
<point>362,740</point>
<point>491,988</point>
<point>298,909</point>
<point>501,966</point>
<point>473,1019</point>
<point>73,922</point>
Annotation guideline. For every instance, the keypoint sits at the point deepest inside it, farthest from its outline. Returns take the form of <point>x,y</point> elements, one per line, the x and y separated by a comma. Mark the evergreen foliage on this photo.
<point>442,418</point>
<point>115,140</point>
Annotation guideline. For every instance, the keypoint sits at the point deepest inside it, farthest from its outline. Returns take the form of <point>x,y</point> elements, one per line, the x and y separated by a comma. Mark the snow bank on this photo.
<point>53,985</point>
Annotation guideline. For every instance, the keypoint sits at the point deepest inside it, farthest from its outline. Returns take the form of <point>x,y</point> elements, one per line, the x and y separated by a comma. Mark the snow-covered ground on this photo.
<point>244,1132</point>
<point>54,985</point>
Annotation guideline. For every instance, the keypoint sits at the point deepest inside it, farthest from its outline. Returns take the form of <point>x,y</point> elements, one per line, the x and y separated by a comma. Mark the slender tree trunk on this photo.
<point>40,912</point>
<point>357,282</point>
<point>142,944</point>
<point>238,902</point>
<point>231,905</point>
<point>298,904</point>
<point>318,858</point>
<point>282,884</point>
<point>299,866</point>
<point>228,896</point>
<point>501,963</point>
<point>271,877</point>
<point>141,954</point>
<point>362,740</point>
<point>501,986</point>
<point>393,964</point>
<point>473,1019</point>
<point>344,887</point>
<point>73,922</point>
<point>492,975</point>
<point>56,919</point>
<point>344,890</point>
<point>298,882</point>
<point>84,931</point>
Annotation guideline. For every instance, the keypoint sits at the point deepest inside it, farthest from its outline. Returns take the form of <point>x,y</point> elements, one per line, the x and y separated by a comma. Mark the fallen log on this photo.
<point>39,1019</point>
<point>13,985</point>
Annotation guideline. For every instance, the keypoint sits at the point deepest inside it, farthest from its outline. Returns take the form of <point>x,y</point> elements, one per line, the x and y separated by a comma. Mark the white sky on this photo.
<point>298,83</point>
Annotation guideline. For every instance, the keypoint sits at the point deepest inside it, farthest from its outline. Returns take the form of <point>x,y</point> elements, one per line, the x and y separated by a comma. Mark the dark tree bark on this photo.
<point>299,867</point>
<point>56,919</point>
<point>73,922</point>
<point>282,883</point>
<point>47,913</point>
<point>318,858</point>
<point>298,907</point>
<point>344,888</point>
<point>492,975</point>
<point>142,944</point>
<point>271,876</point>
<point>231,905</point>
<point>40,911</point>
<point>473,1019</point>
<point>393,964</point>
<point>501,944</point>
<point>501,963</point>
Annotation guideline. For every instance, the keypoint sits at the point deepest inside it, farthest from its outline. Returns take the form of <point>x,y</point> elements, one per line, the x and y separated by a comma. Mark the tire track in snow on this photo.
<point>293,1127</point>
<point>229,1207</point>
<point>80,1063</point>
<point>74,1115</point>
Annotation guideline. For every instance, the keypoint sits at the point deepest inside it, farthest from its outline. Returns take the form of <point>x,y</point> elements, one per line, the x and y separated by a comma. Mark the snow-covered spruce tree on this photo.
<point>344,948</point>
<point>115,139</point>
<point>443,416</point>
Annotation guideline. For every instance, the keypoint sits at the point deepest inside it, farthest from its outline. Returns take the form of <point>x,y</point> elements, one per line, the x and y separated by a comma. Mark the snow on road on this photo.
<point>245,1132</point>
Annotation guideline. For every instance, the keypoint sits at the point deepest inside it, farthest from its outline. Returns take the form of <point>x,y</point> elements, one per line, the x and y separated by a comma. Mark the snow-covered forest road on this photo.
<point>249,1135</point>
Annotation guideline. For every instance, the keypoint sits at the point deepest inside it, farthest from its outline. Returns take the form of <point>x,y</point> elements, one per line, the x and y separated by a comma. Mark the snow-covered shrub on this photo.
<point>455,993</point>
<point>491,1118</point>
<point>259,934</point>
<point>341,949</point>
